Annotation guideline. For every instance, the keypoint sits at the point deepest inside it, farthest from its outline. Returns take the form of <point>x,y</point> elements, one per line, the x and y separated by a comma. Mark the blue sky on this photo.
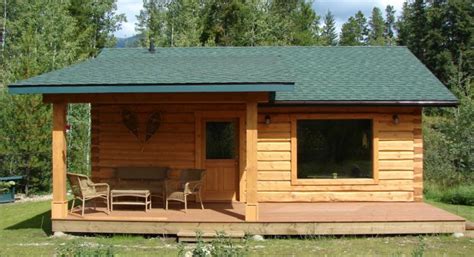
<point>342,10</point>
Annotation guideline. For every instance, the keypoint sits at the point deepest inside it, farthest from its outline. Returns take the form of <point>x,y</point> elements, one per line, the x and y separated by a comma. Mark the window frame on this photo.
<point>345,181</point>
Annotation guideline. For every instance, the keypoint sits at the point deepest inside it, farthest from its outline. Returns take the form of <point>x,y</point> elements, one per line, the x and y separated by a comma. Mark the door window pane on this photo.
<point>220,140</point>
<point>334,149</point>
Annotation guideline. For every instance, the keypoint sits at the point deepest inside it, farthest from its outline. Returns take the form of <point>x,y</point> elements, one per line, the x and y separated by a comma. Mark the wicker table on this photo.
<point>143,197</point>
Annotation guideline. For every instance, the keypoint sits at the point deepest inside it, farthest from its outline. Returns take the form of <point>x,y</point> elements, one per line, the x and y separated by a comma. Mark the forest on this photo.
<point>38,36</point>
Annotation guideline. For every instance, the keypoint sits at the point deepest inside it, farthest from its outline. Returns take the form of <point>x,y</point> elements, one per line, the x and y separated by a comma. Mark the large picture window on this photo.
<point>334,149</point>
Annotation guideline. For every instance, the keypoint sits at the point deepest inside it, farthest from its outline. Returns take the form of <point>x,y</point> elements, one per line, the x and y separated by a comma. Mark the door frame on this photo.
<point>200,155</point>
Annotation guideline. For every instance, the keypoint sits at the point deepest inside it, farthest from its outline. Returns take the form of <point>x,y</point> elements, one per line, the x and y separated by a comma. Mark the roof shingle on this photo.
<point>319,73</point>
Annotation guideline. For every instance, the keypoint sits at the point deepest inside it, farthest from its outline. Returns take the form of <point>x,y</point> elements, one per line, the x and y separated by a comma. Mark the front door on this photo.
<point>220,142</point>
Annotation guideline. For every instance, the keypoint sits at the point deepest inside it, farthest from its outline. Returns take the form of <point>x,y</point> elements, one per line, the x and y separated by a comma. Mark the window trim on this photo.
<point>346,181</point>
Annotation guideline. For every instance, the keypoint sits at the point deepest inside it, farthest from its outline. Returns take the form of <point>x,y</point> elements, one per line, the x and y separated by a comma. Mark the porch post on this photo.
<point>251,207</point>
<point>59,203</point>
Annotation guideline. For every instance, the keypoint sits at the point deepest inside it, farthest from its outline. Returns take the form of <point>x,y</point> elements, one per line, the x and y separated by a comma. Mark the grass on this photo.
<point>461,194</point>
<point>25,230</point>
<point>461,210</point>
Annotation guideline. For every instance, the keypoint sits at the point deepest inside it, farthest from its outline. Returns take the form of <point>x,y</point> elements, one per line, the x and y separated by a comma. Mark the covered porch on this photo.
<point>274,219</point>
<point>179,144</point>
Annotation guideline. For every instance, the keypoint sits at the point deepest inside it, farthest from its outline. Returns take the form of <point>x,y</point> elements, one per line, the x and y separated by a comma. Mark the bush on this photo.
<point>449,146</point>
<point>463,195</point>
<point>222,246</point>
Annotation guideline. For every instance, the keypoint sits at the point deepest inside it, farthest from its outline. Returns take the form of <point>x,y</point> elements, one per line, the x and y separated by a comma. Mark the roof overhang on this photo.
<point>154,88</point>
<point>422,103</point>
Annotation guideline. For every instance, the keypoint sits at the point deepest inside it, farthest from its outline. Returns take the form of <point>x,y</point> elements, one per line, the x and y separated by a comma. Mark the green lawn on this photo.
<point>25,231</point>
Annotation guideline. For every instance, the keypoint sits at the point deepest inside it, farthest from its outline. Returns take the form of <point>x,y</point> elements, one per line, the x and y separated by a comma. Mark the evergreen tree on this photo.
<point>376,28</point>
<point>349,33</point>
<point>458,34</point>
<point>151,23</point>
<point>389,25</point>
<point>435,53</point>
<point>225,23</point>
<point>34,46</point>
<point>44,36</point>
<point>95,23</point>
<point>328,34</point>
<point>292,23</point>
<point>403,26</point>
<point>363,30</point>
<point>354,32</point>
<point>417,24</point>
<point>183,23</point>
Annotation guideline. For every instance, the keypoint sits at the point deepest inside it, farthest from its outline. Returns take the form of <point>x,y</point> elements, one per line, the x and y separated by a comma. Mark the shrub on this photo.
<point>449,146</point>
<point>222,246</point>
<point>463,195</point>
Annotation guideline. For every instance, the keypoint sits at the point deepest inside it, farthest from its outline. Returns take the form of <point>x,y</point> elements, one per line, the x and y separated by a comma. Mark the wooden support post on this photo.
<point>251,208</point>
<point>59,203</point>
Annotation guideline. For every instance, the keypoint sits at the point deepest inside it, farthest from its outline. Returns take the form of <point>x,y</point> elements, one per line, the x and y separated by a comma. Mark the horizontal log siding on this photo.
<point>399,158</point>
<point>173,145</point>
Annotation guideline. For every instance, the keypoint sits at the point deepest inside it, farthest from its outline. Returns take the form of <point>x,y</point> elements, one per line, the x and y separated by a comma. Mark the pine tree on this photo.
<point>225,23</point>
<point>183,23</point>
<point>389,24</point>
<point>363,30</point>
<point>354,32</point>
<point>328,34</point>
<point>292,23</point>
<point>376,28</point>
<point>418,24</point>
<point>44,36</point>
<point>349,33</point>
<point>403,26</point>
<point>95,23</point>
<point>36,44</point>
<point>458,34</point>
<point>435,53</point>
<point>151,22</point>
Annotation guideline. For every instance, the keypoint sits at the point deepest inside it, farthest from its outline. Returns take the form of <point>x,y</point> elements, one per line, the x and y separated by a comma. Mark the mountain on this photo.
<point>128,41</point>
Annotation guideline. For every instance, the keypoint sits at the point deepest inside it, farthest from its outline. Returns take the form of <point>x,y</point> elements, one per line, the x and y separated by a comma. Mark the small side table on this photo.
<point>143,198</point>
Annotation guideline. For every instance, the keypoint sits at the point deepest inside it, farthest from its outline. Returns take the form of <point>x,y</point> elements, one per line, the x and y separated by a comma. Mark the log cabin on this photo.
<point>294,140</point>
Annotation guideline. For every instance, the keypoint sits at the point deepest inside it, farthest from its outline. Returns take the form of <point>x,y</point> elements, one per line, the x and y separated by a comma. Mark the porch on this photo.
<point>274,219</point>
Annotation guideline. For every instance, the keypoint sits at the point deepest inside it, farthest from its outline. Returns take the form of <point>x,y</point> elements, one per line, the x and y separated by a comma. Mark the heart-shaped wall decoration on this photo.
<point>130,120</point>
<point>154,122</point>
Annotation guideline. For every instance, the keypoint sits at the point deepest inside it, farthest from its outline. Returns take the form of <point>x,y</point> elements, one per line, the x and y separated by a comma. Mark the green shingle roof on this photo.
<point>319,74</point>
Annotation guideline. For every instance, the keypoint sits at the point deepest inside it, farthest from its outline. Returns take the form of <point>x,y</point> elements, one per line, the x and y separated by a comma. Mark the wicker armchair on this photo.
<point>84,189</point>
<point>189,183</point>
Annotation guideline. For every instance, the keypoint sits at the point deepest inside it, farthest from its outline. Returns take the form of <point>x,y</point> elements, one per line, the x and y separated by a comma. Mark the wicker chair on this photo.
<point>189,183</point>
<point>84,189</point>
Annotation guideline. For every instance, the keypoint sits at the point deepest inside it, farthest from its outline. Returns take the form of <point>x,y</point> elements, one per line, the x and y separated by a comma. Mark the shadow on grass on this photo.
<point>42,221</point>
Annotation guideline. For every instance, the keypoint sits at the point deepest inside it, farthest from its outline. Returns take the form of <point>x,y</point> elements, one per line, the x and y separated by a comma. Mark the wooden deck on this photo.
<point>275,219</point>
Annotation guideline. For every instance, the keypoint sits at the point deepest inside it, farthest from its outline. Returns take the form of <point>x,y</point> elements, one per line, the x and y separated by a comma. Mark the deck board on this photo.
<point>283,212</point>
<point>275,219</point>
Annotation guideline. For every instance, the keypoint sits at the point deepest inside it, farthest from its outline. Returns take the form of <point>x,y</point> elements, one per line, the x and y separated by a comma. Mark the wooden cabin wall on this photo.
<point>400,151</point>
<point>172,146</point>
<point>399,158</point>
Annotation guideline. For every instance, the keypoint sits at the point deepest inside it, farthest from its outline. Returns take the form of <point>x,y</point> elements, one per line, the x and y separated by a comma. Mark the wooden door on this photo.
<point>221,159</point>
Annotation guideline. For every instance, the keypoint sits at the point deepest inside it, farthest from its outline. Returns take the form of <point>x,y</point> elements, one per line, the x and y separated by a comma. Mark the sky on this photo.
<point>342,10</point>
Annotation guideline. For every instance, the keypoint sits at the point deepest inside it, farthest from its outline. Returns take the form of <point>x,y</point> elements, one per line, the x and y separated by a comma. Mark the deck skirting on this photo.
<point>261,228</point>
